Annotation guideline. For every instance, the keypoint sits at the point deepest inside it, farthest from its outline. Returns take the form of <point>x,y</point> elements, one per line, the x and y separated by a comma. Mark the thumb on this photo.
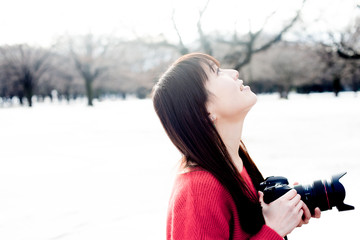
<point>261,198</point>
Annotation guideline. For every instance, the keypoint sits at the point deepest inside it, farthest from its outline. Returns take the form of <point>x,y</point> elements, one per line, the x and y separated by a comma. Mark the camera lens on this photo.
<point>324,194</point>
<point>314,195</point>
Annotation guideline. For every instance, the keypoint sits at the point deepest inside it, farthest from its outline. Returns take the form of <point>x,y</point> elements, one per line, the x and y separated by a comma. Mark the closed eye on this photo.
<point>217,71</point>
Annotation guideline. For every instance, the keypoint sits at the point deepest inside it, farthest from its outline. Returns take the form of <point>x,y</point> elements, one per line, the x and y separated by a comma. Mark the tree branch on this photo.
<point>343,51</point>
<point>278,37</point>
<point>346,52</point>
<point>203,40</point>
<point>254,36</point>
<point>182,48</point>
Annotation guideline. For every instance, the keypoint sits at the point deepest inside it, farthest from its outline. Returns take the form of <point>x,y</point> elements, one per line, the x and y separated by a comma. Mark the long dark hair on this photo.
<point>180,99</point>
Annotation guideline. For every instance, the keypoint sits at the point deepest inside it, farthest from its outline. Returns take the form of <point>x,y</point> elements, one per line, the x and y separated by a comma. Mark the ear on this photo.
<point>212,117</point>
<point>210,107</point>
<point>211,110</point>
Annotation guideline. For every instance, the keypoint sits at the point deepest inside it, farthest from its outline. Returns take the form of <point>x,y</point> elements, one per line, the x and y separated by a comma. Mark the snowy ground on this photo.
<point>71,172</point>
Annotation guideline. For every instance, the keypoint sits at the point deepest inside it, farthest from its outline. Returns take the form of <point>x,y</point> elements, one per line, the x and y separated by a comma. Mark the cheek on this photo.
<point>228,90</point>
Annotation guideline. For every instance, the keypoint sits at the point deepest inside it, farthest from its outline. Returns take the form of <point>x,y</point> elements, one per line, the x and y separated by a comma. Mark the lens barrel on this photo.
<point>314,195</point>
<point>322,194</point>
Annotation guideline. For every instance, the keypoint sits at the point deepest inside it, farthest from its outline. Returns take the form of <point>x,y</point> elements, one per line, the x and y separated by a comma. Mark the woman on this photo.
<point>202,109</point>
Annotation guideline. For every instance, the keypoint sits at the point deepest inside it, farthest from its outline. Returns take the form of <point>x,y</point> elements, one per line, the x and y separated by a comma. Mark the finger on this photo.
<point>299,215</point>
<point>298,204</point>
<point>317,213</point>
<point>261,197</point>
<point>296,201</point>
<point>290,194</point>
<point>307,214</point>
<point>296,183</point>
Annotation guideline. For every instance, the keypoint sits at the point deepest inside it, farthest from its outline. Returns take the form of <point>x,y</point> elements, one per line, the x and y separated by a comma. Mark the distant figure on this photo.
<point>202,108</point>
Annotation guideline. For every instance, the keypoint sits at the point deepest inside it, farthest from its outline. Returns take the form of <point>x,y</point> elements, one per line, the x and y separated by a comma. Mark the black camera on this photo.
<point>322,194</point>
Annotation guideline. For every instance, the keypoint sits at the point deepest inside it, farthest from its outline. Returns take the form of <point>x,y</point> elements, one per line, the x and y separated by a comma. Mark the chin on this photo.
<point>250,105</point>
<point>254,99</point>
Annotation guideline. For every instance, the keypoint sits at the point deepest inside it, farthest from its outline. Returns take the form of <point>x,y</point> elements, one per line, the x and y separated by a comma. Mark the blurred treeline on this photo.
<point>91,66</point>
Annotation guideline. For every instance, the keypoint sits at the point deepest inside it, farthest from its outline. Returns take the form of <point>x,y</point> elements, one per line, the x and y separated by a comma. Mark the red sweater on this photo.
<point>201,208</point>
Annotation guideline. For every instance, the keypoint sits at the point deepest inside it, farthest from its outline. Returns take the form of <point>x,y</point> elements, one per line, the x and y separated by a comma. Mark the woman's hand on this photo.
<point>317,213</point>
<point>307,215</point>
<point>285,213</point>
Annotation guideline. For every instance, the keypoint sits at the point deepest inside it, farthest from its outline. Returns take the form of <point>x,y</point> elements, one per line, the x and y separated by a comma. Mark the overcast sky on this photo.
<point>39,22</point>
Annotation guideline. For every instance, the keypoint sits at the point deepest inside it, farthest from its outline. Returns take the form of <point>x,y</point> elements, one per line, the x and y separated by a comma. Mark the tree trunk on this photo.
<point>67,95</point>
<point>28,84</point>
<point>284,92</point>
<point>28,96</point>
<point>89,91</point>
<point>20,95</point>
<point>336,85</point>
<point>284,95</point>
<point>28,89</point>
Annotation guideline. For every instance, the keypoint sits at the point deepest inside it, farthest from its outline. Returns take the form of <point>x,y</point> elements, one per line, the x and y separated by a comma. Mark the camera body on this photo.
<point>322,194</point>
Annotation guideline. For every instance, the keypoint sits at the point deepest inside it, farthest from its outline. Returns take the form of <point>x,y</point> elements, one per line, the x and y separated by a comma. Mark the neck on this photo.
<point>231,135</point>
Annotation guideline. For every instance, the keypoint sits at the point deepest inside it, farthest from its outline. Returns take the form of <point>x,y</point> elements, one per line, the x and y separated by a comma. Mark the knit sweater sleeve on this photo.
<point>198,208</point>
<point>266,233</point>
<point>201,208</point>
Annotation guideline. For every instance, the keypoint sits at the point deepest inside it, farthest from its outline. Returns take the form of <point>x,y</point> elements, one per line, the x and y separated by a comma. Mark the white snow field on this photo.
<point>72,172</point>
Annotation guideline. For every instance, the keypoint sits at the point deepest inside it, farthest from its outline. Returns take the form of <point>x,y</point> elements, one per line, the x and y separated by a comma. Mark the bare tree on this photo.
<point>340,53</point>
<point>204,41</point>
<point>23,66</point>
<point>63,79</point>
<point>249,44</point>
<point>88,54</point>
<point>242,48</point>
<point>284,67</point>
<point>68,82</point>
<point>351,75</point>
<point>295,65</point>
<point>138,65</point>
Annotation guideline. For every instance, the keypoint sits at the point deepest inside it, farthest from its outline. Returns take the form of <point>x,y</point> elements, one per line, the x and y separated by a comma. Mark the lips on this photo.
<point>244,88</point>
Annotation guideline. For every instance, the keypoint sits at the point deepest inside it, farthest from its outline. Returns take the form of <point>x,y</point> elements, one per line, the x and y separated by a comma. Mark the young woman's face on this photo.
<point>229,99</point>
